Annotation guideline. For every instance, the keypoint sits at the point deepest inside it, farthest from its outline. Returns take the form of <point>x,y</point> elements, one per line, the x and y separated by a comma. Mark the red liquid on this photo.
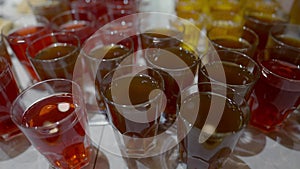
<point>19,41</point>
<point>83,29</point>
<point>273,98</point>
<point>65,145</point>
<point>8,92</point>
<point>97,7</point>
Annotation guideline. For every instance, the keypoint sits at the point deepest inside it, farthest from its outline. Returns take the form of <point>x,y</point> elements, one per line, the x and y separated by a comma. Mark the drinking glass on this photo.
<point>48,8</point>
<point>54,55</point>
<point>22,32</point>
<point>78,22</point>
<point>125,25</point>
<point>243,39</point>
<point>178,67</point>
<point>166,31</point>
<point>212,118</point>
<point>232,68</point>
<point>119,7</point>
<point>52,115</point>
<point>97,7</point>
<point>8,92</point>
<point>134,100</point>
<point>261,15</point>
<point>285,35</point>
<point>277,92</point>
<point>102,53</point>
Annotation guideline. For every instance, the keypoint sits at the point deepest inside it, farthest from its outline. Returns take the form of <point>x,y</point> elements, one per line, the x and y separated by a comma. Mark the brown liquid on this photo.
<point>114,55</point>
<point>66,145</point>
<point>219,145</point>
<point>63,59</point>
<point>234,75</point>
<point>162,38</point>
<point>184,59</point>
<point>233,43</point>
<point>139,89</point>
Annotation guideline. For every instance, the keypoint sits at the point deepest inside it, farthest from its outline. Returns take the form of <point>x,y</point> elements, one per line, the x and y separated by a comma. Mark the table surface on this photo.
<point>255,149</point>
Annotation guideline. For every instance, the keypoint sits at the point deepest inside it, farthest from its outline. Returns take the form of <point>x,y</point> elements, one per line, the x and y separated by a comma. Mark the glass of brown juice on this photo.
<point>232,68</point>
<point>241,39</point>
<point>52,115</point>
<point>276,94</point>
<point>9,90</point>
<point>54,55</point>
<point>178,67</point>
<point>211,119</point>
<point>102,53</point>
<point>261,15</point>
<point>134,100</point>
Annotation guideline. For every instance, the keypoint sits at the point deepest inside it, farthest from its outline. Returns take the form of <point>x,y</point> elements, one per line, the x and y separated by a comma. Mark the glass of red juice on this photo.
<point>8,92</point>
<point>52,115</point>
<point>79,22</point>
<point>277,92</point>
<point>23,31</point>
<point>97,7</point>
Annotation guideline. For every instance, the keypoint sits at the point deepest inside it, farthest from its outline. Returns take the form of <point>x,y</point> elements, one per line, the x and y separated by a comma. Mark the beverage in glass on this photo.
<point>276,94</point>
<point>22,32</point>
<point>52,115</point>
<point>54,55</point>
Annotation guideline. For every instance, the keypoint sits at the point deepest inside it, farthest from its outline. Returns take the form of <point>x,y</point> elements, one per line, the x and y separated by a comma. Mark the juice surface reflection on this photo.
<point>61,138</point>
<point>140,87</point>
<point>160,37</point>
<point>63,58</point>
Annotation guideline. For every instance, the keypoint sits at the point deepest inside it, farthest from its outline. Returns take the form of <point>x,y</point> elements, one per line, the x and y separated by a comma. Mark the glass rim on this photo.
<point>257,75</point>
<point>74,12</point>
<point>244,121</point>
<point>53,34</point>
<point>273,33</point>
<point>41,83</point>
<point>244,49</point>
<point>262,54</point>
<point>9,33</point>
<point>87,54</point>
<point>130,75</point>
<point>281,17</point>
<point>170,69</point>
